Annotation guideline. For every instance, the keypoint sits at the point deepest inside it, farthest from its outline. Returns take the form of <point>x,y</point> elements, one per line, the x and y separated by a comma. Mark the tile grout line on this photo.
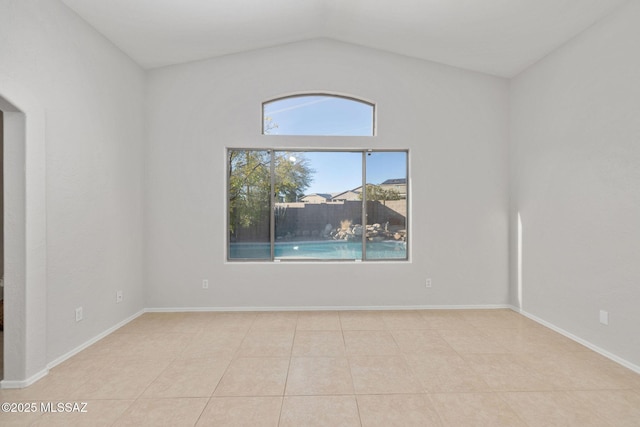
<point>346,355</point>
<point>286,379</point>
<point>515,389</point>
<point>233,358</point>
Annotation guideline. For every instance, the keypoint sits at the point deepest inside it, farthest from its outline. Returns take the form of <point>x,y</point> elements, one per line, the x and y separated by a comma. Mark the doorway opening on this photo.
<point>24,236</point>
<point>1,245</point>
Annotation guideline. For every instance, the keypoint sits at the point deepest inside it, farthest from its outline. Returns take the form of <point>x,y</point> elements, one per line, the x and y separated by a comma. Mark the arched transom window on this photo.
<point>318,114</point>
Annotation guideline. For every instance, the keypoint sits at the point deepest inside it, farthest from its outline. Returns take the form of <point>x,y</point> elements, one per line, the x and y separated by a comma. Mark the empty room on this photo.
<point>320,213</point>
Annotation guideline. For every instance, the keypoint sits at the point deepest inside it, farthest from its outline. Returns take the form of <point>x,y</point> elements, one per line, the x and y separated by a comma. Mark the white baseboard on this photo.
<point>326,308</point>
<point>579,340</point>
<point>92,341</point>
<point>6,384</point>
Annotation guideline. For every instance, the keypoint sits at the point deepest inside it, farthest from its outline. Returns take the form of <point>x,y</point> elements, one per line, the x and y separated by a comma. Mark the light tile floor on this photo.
<point>351,368</point>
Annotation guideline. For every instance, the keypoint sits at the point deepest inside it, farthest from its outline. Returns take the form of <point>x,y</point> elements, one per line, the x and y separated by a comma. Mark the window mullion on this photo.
<point>364,205</point>
<point>272,207</point>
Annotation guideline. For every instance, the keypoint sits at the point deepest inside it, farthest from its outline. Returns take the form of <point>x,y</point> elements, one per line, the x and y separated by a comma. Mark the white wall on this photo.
<point>575,133</point>
<point>574,177</point>
<point>454,123</point>
<point>93,97</point>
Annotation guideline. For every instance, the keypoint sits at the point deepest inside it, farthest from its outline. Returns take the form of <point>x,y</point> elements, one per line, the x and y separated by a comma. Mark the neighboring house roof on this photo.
<point>396,184</point>
<point>324,196</point>
<point>349,194</point>
<point>395,181</point>
<point>355,193</point>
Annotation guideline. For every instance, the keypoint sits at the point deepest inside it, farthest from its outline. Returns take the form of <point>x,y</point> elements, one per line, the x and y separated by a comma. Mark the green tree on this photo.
<point>248,195</point>
<point>377,193</point>
<point>293,175</point>
<point>250,184</point>
<point>268,125</point>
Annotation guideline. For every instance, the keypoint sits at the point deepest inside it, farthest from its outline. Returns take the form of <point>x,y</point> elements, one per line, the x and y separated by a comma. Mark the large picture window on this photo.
<point>286,205</point>
<point>322,205</point>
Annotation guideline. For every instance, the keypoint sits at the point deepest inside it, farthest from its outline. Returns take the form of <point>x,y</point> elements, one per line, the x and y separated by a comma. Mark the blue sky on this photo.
<point>330,115</point>
<point>341,171</point>
<point>320,115</point>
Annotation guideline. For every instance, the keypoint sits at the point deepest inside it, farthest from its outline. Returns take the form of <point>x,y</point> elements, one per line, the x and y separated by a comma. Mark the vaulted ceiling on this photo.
<point>499,37</point>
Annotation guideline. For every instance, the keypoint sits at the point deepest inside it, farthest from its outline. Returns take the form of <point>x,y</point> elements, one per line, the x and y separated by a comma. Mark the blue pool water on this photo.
<point>325,250</point>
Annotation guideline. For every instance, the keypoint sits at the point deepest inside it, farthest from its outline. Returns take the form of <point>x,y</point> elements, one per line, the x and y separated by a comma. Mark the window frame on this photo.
<point>272,203</point>
<point>373,106</point>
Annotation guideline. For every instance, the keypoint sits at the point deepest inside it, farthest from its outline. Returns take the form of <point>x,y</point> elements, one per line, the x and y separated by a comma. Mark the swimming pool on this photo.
<point>324,250</point>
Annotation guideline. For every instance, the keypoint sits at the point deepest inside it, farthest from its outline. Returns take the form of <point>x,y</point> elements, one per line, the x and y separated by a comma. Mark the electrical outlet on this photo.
<point>79,315</point>
<point>205,284</point>
<point>428,283</point>
<point>604,317</point>
<point>119,297</point>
